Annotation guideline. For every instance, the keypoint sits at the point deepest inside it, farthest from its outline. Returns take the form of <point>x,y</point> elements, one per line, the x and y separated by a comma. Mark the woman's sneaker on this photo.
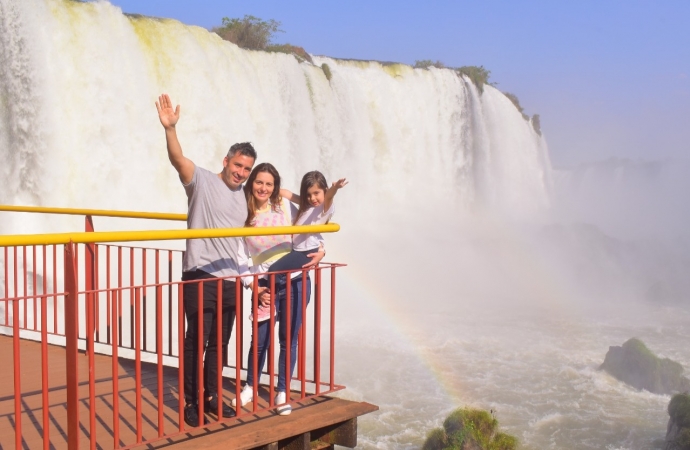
<point>283,409</point>
<point>263,313</point>
<point>246,396</point>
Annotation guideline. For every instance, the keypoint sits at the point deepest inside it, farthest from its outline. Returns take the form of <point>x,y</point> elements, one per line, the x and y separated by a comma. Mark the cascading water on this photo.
<point>88,124</point>
<point>453,305</point>
<point>21,122</point>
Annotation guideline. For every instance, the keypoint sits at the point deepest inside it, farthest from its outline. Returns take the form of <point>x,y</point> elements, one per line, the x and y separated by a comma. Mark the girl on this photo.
<point>316,207</point>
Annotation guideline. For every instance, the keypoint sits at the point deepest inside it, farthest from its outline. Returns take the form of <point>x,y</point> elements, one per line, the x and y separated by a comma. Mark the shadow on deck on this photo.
<point>315,423</point>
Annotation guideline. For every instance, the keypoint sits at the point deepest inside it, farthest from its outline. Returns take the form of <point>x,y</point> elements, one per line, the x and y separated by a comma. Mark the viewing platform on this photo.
<point>322,420</point>
<point>89,333</point>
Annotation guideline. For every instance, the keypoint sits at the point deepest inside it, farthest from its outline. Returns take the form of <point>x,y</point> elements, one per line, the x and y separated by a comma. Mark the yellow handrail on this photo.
<point>94,212</point>
<point>158,235</point>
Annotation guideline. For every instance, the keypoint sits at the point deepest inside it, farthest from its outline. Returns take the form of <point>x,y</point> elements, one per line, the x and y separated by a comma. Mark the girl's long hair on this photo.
<point>248,186</point>
<point>308,180</point>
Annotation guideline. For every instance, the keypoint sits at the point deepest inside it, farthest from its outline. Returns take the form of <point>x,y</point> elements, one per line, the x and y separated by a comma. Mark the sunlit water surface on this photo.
<point>536,369</point>
<point>421,341</point>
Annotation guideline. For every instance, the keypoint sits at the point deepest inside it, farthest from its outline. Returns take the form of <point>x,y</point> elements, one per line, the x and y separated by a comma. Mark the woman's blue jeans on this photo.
<point>264,330</point>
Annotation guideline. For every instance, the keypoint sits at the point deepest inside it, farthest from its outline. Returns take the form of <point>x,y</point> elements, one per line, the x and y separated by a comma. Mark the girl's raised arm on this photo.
<point>330,193</point>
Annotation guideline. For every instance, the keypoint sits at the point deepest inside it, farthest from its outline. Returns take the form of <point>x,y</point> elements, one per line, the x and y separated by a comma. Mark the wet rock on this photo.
<point>634,364</point>
<point>678,431</point>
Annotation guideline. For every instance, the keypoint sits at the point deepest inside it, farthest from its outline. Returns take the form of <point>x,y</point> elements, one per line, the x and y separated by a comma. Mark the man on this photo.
<point>214,201</point>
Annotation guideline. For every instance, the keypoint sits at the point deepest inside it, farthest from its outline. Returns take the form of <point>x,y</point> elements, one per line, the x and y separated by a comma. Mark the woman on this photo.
<point>267,208</point>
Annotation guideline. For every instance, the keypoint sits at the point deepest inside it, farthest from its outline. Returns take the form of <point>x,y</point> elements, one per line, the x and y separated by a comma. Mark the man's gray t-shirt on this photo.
<point>212,204</point>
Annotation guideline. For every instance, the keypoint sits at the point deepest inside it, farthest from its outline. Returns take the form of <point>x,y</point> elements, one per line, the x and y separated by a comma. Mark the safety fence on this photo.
<point>119,306</point>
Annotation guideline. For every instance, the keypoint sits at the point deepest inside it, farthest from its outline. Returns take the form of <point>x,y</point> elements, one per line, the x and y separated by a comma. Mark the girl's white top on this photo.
<point>312,216</point>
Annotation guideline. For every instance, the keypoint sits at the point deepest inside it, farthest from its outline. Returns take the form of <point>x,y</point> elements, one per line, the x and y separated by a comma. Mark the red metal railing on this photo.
<point>119,304</point>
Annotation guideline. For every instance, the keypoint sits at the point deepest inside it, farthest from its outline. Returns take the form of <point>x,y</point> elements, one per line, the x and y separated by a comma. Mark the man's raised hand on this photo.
<point>167,115</point>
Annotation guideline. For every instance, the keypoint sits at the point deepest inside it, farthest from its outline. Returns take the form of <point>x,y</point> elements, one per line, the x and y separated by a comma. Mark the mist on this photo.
<point>477,307</point>
<point>627,198</point>
<point>480,309</point>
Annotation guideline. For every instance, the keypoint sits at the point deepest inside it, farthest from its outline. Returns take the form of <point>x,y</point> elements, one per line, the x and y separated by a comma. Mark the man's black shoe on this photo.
<point>211,406</point>
<point>191,415</point>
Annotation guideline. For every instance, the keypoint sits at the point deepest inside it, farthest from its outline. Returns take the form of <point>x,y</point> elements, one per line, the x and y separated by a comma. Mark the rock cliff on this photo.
<point>678,431</point>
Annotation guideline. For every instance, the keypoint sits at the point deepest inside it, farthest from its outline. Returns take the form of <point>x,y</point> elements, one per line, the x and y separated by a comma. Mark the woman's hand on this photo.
<point>264,295</point>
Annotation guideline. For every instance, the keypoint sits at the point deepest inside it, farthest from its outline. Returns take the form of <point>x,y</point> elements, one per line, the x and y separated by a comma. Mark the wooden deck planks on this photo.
<point>268,427</point>
<point>248,431</point>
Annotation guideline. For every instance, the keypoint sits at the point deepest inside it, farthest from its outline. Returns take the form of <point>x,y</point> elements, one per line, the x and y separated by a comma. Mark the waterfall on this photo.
<point>78,126</point>
<point>22,126</point>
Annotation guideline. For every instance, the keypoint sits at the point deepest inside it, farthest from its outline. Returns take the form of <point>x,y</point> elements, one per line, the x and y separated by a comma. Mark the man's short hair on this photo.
<point>243,148</point>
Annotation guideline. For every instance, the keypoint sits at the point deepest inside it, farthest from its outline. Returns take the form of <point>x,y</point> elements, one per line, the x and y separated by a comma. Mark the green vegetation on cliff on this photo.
<point>249,32</point>
<point>326,71</point>
<point>253,33</point>
<point>535,120</point>
<point>536,123</point>
<point>298,52</point>
<point>478,75</point>
<point>469,429</point>
<point>426,63</point>
<point>513,98</point>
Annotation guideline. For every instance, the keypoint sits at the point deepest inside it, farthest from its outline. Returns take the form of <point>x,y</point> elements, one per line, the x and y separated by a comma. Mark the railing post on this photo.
<point>71,346</point>
<point>89,269</point>
<point>89,253</point>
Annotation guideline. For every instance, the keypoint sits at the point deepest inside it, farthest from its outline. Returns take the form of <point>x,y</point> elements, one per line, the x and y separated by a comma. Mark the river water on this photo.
<point>496,333</point>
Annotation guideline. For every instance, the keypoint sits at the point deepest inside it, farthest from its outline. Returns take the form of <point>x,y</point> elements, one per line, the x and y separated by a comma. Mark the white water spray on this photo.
<point>88,126</point>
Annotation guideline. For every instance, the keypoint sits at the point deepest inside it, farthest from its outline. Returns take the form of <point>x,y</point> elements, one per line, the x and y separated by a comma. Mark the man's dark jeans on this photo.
<point>210,327</point>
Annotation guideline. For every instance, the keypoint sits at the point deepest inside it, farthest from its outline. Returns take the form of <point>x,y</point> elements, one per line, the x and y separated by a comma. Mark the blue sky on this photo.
<point>609,78</point>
